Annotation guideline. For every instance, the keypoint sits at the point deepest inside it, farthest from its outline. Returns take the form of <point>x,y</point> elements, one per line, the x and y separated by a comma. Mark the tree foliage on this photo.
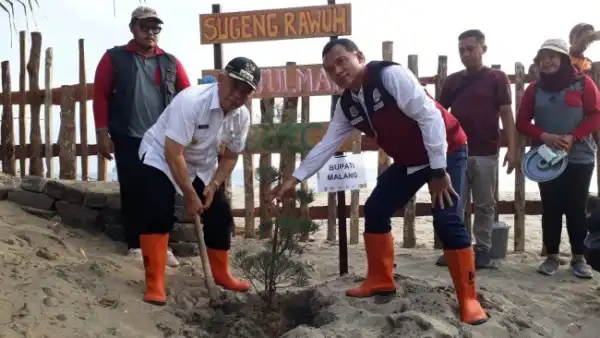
<point>276,263</point>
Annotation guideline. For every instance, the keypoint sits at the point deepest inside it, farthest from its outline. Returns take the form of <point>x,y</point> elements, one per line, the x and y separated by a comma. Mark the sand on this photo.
<point>61,282</point>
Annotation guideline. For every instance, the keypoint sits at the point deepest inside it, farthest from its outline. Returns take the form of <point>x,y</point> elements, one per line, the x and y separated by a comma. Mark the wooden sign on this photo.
<point>308,135</point>
<point>291,81</point>
<point>276,24</point>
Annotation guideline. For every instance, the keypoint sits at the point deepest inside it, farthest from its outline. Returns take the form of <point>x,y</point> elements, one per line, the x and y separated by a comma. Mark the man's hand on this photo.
<point>510,161</point>
<point>192,204</point>
<point>551,140</point>
<point>565,142</point>
<point>209,194</point>
<point>282,190</point>
<point>105,145</point>
<point>440,190</point>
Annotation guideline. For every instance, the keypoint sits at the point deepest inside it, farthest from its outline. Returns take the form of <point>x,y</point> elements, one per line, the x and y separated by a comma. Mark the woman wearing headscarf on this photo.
<point>565,105</point>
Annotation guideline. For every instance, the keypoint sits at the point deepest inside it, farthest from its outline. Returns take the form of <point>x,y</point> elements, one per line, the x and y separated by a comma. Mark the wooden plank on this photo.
<point>276,24</point>
<point>291,81</point>
<point>309,134</point>
<point>89,91</point>
<point>315,132</point>
<point>423,209</point>
<point>92,149</point>
<point>39,96</point>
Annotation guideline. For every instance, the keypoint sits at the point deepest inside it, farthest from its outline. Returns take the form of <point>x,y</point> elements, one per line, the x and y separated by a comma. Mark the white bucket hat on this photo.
<point>557,45</point>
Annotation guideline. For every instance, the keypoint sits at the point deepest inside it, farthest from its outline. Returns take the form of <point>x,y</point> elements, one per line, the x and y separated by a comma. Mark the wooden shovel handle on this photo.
<point>208,277</point>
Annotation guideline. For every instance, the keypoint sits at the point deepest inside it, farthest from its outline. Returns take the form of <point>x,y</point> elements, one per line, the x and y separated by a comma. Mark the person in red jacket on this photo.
<point>385,101</point>
<point>132,86</point>
<point>565,105</point>
<point>581,37</point>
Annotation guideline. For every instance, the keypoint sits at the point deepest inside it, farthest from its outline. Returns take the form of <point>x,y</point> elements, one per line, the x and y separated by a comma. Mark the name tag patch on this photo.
<point>203,126</point>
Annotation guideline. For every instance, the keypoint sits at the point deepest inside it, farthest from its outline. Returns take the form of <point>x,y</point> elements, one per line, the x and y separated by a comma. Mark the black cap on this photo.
<point>245,70</point>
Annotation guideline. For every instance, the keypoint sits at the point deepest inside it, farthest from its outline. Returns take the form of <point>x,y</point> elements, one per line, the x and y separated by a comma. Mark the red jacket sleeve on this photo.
<point>591,108</point>
<point>182,78</point>
<point>103,86</point>
<point>525,115</point>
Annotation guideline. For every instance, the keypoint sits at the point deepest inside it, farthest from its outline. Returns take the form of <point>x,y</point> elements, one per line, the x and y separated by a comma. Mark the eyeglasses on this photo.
<point>150,28</point>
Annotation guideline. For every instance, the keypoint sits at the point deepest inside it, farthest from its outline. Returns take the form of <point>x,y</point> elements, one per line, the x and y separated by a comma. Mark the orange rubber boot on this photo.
<point>154,253</point>
<point>219,266</point>
<point>461,264</point>
<point>380,267</point>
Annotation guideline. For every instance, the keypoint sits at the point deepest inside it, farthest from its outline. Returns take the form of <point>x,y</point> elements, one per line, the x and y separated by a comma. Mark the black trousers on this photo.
<point>131,185</point>
<point>566,195</point>
<point>159,206</point>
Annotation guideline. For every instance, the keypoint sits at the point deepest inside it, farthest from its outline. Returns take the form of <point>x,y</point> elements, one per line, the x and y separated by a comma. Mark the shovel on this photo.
<point>208,277</point>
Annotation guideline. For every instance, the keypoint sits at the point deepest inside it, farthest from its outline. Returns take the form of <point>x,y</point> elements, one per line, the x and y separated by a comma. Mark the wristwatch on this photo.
<point>438,173</point>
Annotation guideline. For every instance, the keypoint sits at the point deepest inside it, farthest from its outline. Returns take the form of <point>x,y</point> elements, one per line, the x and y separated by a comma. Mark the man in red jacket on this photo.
<point>385,101</point>
<point>132,86</point>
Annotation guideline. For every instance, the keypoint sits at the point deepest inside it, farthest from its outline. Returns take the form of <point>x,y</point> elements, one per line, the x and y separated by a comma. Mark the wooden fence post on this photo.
<point>267,107</point>
<point>48,149</point>
<point>355,194</point>
<point>409,238</point>
<point>66,139</point>
<point>7,130</point>
<point>248,166</point>
<point>82,91</point>
<point>36,166</point>
<point>22,103</point>
<point>442,73</point>
<point>519,198</point>
<point>289,115</point>
<point>304,118</point>
<point>497,189</point>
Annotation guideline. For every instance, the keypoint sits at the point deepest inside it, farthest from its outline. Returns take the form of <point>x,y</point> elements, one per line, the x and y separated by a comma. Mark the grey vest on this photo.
<point>561,113</point>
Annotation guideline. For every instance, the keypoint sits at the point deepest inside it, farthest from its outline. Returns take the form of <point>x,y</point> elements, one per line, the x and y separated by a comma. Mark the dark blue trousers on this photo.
<point>395,188</point>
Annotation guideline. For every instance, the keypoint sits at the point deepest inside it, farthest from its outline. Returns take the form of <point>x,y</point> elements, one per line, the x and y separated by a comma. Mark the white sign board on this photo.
<point>340,173</point>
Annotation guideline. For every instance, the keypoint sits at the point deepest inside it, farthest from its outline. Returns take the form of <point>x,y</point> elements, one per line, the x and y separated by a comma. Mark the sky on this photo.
<point>514,31</point>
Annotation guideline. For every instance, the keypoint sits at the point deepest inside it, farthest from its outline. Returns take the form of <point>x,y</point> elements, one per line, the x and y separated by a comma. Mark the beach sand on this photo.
<point>62,282</point>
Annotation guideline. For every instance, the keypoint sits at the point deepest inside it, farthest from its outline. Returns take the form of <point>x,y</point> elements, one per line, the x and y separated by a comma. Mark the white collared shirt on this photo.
<point>411,98</point>
<point>195,119</point>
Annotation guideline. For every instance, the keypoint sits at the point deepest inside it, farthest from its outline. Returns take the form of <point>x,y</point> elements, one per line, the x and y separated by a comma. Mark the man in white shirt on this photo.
<point>180,156</point>
<point>385,101</point>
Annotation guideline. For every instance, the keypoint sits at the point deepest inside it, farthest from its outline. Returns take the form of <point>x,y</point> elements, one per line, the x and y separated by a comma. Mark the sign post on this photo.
<point>339,174</point>
<point>341,197</point>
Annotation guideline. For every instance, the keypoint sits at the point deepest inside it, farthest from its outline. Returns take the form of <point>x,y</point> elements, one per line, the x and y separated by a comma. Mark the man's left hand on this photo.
<point>441,189</point>
<point>209,194</point>
<point>510,161</point>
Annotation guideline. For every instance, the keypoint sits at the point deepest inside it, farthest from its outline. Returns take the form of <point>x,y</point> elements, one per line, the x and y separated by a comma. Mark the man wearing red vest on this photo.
<point>385,101</point>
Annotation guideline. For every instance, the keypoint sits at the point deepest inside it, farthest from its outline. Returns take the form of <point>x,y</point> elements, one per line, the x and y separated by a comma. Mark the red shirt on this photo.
<point>591,108</point>
<point>103,83</point>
